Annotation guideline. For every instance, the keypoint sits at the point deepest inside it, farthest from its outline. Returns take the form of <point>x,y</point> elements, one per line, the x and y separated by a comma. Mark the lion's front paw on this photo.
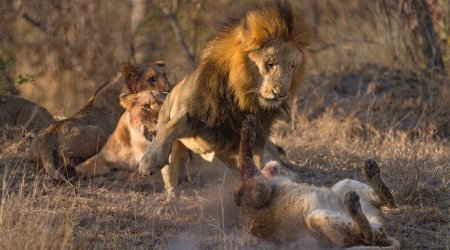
<point>144,166</point>
<point>152,162</point>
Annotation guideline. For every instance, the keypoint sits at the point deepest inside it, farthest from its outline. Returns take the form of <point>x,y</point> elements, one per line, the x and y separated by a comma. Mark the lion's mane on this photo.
<point>225,77</point>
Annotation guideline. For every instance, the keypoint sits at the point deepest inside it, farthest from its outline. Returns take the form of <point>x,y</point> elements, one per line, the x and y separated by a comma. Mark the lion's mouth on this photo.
<point>149,134</point>
<point>271,102</point>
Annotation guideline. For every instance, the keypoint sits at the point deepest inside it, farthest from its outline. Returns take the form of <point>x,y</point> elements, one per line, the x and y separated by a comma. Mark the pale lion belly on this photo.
<point>205,149</point>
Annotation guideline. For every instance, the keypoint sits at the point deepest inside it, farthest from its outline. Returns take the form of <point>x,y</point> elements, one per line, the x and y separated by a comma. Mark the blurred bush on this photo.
<point>72,47</point>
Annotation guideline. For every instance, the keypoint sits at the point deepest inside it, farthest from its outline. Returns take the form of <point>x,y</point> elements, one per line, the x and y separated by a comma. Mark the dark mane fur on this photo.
<point>216,102</point>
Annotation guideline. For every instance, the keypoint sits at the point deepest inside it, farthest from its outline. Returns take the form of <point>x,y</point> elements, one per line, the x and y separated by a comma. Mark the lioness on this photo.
<point>127,144</point>
<point>18,112</point>
<point>253,66</point>
<point>276,208</point>
<point>81,136</point>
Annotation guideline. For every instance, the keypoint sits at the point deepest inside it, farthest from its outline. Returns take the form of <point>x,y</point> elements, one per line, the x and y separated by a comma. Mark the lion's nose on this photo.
<point>278,95</point>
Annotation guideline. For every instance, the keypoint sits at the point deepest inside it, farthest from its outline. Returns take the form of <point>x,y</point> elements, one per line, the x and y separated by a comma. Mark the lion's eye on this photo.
<point>146,107</point>
<point>152,79</point>
<point>293,66</point>
<point>269,65</point>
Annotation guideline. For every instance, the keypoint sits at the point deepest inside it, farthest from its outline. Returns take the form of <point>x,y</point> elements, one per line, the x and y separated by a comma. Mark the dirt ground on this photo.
<point>339,119</point>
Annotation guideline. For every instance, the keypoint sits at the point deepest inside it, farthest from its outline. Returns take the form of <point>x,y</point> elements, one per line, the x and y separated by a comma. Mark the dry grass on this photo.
<point>340,119</point>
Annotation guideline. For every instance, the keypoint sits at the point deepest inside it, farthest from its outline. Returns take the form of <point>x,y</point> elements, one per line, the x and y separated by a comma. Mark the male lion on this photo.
<point>346,215</point>
<point>252,66</point>
<point>127,144</point>
<point>81,136</point>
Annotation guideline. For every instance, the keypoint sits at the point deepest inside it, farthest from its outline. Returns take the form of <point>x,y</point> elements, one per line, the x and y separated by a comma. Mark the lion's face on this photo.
<point>144,108</point>
<point>276,64</point>
<point>146,76</point>
<point>153,76</point>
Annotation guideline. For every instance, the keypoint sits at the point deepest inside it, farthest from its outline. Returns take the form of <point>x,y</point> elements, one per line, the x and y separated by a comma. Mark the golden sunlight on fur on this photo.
<point>253,65</point>
<point>346,215</point>
<point>127,144</point>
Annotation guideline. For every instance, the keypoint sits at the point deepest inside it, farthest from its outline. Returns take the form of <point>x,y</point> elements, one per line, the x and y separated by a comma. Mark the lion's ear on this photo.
<point>127,100</point>
<point>131,76</point>
<point>159,96</point>
<point>160,64</point>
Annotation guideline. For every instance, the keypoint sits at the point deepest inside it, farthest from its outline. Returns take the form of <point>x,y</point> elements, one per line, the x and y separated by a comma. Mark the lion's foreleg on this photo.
<point>171,171</point>
<point>157,154</point>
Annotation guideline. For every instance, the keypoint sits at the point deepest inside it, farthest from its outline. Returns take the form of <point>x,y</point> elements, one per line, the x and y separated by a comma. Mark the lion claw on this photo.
<point>153,160</point>
<point>144,168</point>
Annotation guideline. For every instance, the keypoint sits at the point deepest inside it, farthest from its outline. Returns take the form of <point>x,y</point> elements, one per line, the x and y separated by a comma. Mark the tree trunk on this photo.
<point>138,52</point>
<point>426,36</point>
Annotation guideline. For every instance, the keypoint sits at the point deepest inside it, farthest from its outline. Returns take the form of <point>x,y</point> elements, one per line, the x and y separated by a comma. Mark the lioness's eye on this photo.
<point>146,107</point>
<point>293,66</point>
<point>152,79</point>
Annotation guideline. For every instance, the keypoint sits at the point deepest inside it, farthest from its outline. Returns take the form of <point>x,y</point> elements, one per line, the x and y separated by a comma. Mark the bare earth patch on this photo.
<point>340,119</point>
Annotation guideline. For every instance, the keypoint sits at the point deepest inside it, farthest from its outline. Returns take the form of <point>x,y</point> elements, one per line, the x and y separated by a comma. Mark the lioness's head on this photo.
<point>143,109</point>
<point>145,76</point>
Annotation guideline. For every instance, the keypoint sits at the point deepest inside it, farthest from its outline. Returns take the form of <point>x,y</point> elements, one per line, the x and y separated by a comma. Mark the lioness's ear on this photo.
<point>131,75</point>
<point>127,100</point>
<point>159,96</point>
<point>160,64</point>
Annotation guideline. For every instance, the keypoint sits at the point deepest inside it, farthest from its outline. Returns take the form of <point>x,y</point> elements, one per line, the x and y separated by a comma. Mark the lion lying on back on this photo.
<point>75,139</point>
<point>253,66</point>
<point>127,144</point>
<point>346,215</point>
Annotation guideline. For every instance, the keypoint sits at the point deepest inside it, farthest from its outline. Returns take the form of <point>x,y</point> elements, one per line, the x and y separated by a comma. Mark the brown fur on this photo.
<point>18,112</point>
<point>346,215</point>
<point>81,136</point>
<point>128,142</point>
<point>205,110</point>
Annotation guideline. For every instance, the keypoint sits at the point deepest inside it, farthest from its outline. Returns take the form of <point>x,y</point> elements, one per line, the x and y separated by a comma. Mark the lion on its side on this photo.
<point>253,65</point>
<point>77,138</point>
<point>16,111</point>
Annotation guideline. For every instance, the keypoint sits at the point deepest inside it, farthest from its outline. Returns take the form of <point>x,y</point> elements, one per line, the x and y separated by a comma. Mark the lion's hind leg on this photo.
<point>48,162</point>
<point>82,141</point>
<point>343,230</point>
<point>361,225</point>
<point>333,226</point>
<point>372,175</point>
